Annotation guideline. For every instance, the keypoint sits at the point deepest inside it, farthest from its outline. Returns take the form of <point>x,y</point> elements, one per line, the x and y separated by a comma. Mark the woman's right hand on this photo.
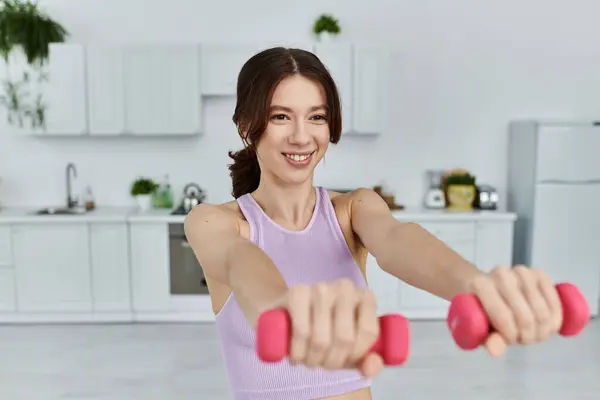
<point>334,324</point>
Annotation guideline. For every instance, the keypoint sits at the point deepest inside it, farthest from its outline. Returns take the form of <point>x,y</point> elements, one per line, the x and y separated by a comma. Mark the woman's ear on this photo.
<point>242,132</point>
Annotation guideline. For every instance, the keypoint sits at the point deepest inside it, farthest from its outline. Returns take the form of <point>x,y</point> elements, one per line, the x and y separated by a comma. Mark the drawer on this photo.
<point>5,246</point>
<point>8,294</point>
<point>451,231</point>
<point>568,154</point>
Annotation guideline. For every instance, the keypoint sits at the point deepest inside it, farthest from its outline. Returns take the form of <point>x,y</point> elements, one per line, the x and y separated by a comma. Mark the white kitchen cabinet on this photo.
<point>150,276</point>
<point>162,89</point>
<point>485,243</point>
<point>143,90</point>
<point>386,287</point>
<point>370,80</point>
<point>5,246</point>
<point>105,90</point>
<point>459,236</point>
<point>52,267</point>
<point>493,245</point>
<point>361,74</point>
<point>8,295</point>
<point>338,58</point>
<point>220,66</point>
<point>60,87</point>
<point>64,91</point>
<point>110,277</point>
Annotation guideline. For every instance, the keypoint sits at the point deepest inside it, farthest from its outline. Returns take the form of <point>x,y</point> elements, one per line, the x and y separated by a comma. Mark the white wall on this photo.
<point>463,69</point>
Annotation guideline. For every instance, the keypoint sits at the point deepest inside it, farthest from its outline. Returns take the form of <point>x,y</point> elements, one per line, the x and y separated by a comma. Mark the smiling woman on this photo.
<point>288,104</point>
<point>286,244</point>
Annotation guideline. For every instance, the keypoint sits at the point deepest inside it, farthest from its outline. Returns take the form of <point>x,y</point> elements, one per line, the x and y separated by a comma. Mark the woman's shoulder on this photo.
<point>343,201</point>
<point>227,213</point>
<point>225,210</point>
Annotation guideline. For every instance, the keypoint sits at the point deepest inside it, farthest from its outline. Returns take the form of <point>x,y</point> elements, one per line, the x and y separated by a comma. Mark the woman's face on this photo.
<point>297,135</point>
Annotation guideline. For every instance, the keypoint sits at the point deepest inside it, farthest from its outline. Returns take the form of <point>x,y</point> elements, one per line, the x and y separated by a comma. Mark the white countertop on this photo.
<point>424,214</point>
<point>129,214</point>
<point>156,215</point>
<point>100,214</point>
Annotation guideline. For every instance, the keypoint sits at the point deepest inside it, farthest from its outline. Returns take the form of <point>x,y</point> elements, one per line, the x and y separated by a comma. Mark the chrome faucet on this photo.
<point>71,200</point>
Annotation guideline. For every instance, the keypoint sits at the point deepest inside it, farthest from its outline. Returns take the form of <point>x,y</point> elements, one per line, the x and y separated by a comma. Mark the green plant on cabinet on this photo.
<point>25,28</point>
<point>327,24</point>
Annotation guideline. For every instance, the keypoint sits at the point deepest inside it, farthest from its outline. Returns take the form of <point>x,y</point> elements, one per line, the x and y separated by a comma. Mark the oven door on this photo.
<point>186,275</point>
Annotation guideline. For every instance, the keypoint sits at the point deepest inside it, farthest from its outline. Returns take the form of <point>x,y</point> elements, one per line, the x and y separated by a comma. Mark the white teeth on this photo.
<point>297,157</point>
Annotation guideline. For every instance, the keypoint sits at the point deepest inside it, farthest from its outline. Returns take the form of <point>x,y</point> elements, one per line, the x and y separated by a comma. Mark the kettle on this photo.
<point>192,196</point>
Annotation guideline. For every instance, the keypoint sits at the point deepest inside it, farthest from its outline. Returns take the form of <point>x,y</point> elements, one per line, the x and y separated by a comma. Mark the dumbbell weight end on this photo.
<point>470,326</point>
<point>273,334</point>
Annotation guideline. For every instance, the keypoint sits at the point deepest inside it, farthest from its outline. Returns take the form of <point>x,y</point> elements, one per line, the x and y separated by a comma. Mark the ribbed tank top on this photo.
<point>319,253</point>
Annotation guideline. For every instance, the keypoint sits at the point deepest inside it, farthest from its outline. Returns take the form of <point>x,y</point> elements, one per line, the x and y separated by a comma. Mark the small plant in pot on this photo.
<point>460,190</point>
<point>326,27</point>
<point>143,189</point>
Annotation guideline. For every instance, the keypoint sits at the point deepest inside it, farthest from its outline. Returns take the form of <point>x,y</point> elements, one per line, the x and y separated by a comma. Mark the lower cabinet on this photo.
<point>485,243</point>
<point>118,270</point>
<point>65,271</point>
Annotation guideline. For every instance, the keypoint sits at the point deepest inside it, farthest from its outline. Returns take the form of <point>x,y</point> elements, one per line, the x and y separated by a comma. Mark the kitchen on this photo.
<point>118,264</point>
<point>147,248</point>
<point>407,99</point>
<point>127,267</point>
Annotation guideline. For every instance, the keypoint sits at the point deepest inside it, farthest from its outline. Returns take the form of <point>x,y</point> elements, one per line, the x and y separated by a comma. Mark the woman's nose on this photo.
<point>301,134</point>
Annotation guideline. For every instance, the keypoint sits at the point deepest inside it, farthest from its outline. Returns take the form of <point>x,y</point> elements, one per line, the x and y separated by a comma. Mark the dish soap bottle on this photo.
<point>165,194</point>
<point>88,199</point>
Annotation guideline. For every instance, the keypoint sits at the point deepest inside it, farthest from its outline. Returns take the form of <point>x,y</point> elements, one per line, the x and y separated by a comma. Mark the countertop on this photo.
<point>424,214</point>
<point>100,214</point>
<point>131,214</point>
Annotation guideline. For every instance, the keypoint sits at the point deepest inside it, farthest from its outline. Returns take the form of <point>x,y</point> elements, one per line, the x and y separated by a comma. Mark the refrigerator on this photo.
<point>553,186</point>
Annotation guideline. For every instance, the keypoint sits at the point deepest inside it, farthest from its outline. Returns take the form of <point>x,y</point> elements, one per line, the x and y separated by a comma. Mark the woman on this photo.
<point>285,243</point>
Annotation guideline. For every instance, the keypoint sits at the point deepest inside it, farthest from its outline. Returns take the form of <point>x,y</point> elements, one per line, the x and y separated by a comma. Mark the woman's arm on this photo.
<point>232,260</point>
<point>408,251</point>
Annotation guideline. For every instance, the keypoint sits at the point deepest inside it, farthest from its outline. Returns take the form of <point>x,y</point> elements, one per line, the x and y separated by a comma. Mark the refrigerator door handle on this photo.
<point>571,182</point>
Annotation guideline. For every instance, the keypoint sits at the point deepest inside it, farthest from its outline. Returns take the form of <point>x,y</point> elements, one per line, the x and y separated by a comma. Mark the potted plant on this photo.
<point>143,189</point>
<point>24,28</point>
<point>460,190</point>
<point>326,27</point>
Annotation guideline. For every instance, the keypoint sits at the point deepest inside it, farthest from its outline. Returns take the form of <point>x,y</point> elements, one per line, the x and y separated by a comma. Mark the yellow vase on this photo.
<point>461,197</point>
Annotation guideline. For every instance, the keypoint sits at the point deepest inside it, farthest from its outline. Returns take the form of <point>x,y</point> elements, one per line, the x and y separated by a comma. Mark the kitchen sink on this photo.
<point>60,211</point>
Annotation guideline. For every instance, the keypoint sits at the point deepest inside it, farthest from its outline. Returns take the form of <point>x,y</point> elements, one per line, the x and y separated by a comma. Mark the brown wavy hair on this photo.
<point>256,84</point>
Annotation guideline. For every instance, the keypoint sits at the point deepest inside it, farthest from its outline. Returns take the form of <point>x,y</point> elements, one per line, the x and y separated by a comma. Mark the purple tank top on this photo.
<point>319,253</point>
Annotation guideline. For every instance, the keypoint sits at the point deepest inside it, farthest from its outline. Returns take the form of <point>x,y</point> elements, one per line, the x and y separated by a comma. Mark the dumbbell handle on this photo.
<point>470,326</point>
<point>273,333</point>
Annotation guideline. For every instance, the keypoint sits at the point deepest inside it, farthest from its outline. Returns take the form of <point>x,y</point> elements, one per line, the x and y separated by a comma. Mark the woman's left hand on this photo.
<point>522,304</point>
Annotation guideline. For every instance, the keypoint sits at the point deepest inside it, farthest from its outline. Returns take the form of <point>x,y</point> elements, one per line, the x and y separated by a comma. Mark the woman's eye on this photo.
<point>279,117</point>
<point>320,117</point>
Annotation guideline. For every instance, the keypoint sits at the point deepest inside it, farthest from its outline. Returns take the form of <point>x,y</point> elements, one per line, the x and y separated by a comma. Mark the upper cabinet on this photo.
<point>338,60</point>
<point>162,89</point>
<point>158,89</point>
<point>53,95</point>
<point>221,64</point>
<point>112,90</point>
<point>106,90</point>
<point>144,90</point>
<point>361,74</point>
<point>63,91</point>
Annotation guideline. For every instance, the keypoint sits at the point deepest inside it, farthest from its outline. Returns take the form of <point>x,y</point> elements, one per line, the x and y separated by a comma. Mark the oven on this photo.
<point>186,275</point>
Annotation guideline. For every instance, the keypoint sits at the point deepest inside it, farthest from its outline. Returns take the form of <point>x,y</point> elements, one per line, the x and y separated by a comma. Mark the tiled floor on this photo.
<point>183,362</point>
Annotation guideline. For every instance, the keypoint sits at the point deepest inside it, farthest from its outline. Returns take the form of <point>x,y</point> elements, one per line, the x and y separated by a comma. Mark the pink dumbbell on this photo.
<point>470,326</point>
<point>273,334</point>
